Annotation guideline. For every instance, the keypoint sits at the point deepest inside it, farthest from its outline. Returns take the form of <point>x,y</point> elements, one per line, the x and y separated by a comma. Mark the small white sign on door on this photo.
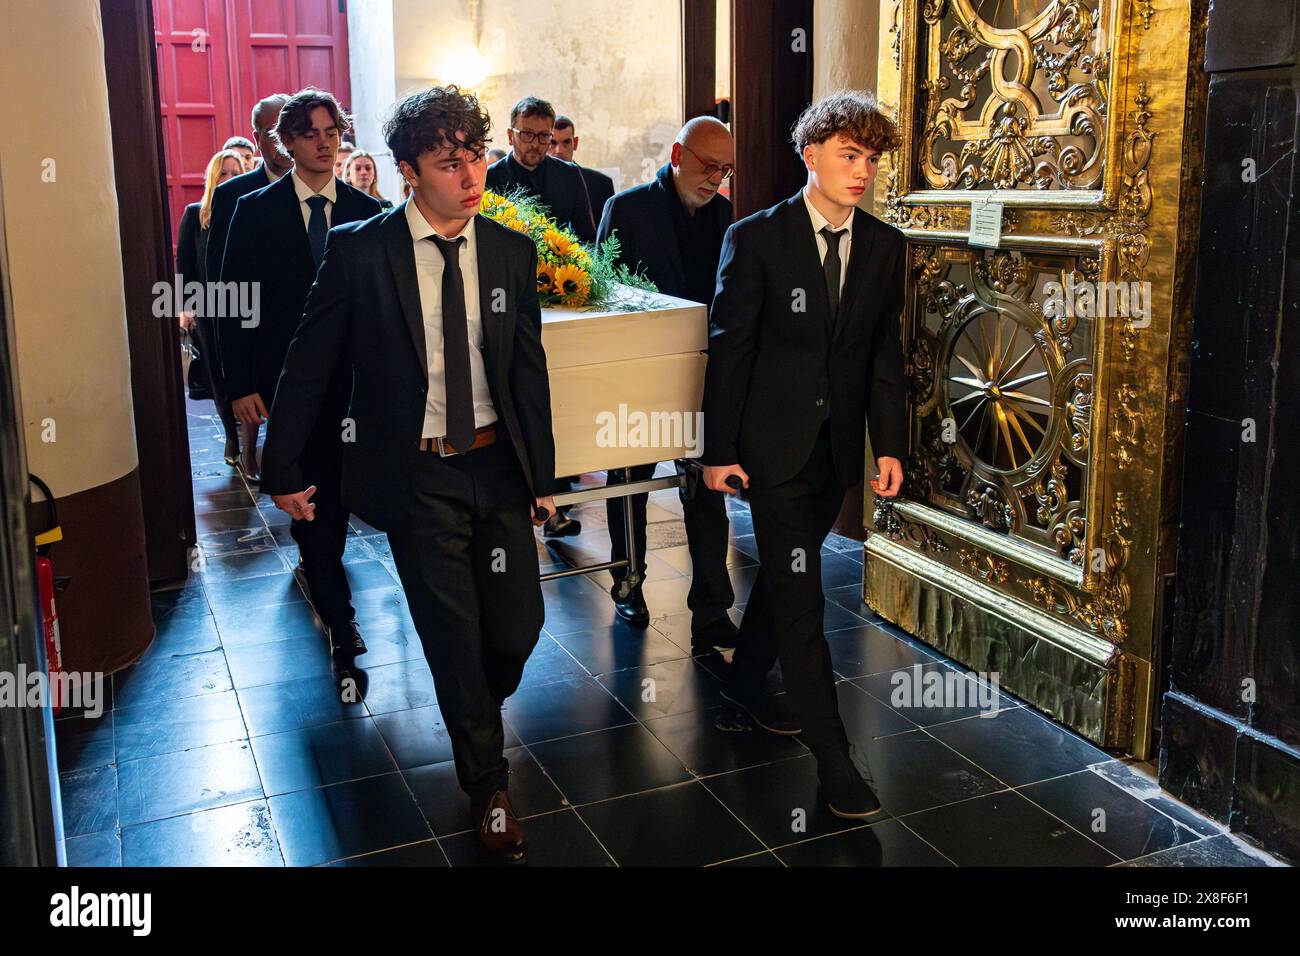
<point>985,224</point>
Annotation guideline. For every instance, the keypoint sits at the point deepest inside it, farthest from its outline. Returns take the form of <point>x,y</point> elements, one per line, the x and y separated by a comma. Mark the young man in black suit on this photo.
<point>672,228</point>
<point>564,142</point>
<point>277,240</point>
<point>553,181</point>
<point>804,351</point>
<point>434,309</point>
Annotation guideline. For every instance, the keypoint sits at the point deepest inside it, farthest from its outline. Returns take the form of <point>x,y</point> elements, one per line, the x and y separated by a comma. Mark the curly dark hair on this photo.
<point>432,118</point>
<point>855,113</point>
<point>295,117</point>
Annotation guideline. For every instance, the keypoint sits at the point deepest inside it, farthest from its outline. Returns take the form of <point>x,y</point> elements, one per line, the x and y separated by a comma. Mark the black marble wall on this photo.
<point>1230,724</point>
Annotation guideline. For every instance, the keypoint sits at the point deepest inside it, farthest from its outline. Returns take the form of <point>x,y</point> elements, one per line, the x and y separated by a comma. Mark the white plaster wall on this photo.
<point>846,40</point>
<point>374,88</point>
<point>614,67</point>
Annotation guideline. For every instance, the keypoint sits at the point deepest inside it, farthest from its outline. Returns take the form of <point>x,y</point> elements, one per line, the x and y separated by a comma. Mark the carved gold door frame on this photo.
<point>1035,536</point>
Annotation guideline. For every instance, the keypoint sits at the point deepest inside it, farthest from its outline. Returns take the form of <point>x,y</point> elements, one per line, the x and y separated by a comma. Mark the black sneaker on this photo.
<point>845,792</point>
<point>764,710</point>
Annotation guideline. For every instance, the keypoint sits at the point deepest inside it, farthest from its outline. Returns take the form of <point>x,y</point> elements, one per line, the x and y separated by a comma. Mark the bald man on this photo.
<point>672,228</point>
<point>275,163</point>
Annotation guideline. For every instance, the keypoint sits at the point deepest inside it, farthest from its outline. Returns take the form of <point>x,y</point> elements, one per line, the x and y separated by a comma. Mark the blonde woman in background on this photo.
<point>360,172</point>
<point>191,256</point>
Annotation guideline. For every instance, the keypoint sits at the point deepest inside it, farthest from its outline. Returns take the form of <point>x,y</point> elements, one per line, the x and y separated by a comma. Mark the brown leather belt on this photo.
<point>482,436</point>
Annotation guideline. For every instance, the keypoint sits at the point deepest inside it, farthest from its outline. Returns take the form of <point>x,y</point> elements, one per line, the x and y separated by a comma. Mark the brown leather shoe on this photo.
<point>501,834</point>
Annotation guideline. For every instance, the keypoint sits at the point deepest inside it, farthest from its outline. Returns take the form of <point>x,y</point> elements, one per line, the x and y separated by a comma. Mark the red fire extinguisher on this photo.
<point>47,585</point>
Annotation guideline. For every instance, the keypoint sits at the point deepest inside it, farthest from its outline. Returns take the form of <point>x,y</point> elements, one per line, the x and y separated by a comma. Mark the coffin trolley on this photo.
<point>626,389</point>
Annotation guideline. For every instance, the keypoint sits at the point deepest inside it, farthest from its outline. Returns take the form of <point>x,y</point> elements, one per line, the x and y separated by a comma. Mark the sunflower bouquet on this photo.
<point>570,273</point>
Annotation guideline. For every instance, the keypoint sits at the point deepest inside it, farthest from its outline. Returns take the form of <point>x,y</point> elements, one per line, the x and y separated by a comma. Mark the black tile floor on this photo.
<point>228,743</point>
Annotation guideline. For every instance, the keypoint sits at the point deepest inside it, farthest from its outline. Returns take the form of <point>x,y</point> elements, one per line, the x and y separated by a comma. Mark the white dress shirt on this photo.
<point>819,222</point>
<point>429,264</point>
<point>305,192</point>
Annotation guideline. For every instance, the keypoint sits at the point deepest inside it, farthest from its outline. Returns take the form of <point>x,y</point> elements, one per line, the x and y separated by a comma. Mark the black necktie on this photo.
<point>831,266</point>
<point>455,347</point>
<point>317,227</point>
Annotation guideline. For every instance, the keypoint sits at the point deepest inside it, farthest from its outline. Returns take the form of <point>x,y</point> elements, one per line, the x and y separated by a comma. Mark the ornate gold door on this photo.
<point>1035,536</point>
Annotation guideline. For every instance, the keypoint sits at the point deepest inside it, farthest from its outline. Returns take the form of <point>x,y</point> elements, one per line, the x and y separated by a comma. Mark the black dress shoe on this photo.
<point>560,525</point>
<point>719,634</point>
<point>630,605</point>
<point>764,710</point>
<point>346,642</point>
<point>845,792</point>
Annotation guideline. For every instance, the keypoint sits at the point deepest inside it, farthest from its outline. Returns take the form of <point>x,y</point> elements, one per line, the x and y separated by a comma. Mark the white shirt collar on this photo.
<point>305,192</point>
<point>820,222</point>
<point>420,228</point>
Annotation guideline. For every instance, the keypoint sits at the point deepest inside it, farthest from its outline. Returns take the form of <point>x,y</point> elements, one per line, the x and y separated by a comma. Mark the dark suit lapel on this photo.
<point>491,276</point>
<point>359,207</point>
<point>346,209</point>
<point>291,210</point>
<point>666,231</point>
<point>401,259</point>
<point>807,260</point>
<point>859,260</point>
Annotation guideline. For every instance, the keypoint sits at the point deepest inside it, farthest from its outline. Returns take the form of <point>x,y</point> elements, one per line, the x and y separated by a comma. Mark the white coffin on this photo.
<point>626,386</point>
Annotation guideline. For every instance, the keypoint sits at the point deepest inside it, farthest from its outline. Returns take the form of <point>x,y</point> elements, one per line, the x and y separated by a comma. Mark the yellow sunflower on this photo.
<point>573,283</point>
<point>545,277</point>
<point>518,225</point>
<point>558,242</point>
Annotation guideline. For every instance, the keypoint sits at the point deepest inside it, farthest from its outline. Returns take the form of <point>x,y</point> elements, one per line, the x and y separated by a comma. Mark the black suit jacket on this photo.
<point>224,198</point>
<point>565,193</point>
<point>772,369</point>
<point>365,309</point>
<point>267,243</point>
<point>192,245</point>
<point>599,189</point>
<point>642,218</point>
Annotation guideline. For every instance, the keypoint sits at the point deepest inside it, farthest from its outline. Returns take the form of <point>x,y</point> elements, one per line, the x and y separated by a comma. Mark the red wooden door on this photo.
<point>283,45</point>
<point>193,93</point>
<point>216,58</point>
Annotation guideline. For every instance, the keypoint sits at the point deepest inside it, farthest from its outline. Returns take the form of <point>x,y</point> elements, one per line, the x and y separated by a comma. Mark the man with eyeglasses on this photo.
<point>553,181</point>
<point>672,228</point>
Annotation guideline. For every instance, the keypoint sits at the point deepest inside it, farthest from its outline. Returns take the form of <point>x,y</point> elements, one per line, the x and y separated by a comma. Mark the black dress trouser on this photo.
<point>468,563</point>
<point>321,541</point>
<point>707,535</point>
<point>785,615</point>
